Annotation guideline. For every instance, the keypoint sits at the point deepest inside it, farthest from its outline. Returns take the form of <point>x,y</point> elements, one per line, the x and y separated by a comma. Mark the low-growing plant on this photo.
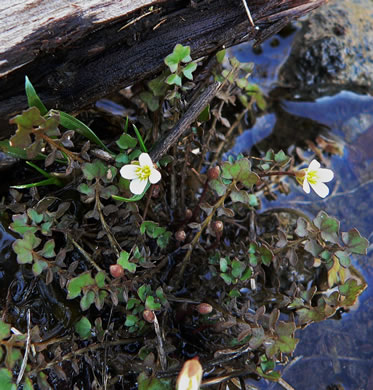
<point>156,260</point>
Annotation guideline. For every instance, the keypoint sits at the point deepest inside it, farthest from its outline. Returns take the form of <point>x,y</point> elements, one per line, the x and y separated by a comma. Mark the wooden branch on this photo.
<point>77,52</point>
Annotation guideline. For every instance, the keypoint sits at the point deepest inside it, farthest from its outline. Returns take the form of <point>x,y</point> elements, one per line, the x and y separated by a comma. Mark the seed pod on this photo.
<point>148,316</point>
<point>116,271</point>
<point>180,235</point>
<point>213,173</point>
<point>217,226</point>
<point>204,308</point>
<point>188,213</point>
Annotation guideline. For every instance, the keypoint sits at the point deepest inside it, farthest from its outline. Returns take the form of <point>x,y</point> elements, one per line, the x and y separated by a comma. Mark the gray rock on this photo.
<point>333,50</point>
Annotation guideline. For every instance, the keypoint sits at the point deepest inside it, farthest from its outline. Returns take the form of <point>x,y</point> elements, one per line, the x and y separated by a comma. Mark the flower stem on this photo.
<point>205,223</point>
<point>276,173</point>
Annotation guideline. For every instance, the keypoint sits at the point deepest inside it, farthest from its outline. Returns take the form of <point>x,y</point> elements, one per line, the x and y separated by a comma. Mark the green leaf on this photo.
<point>75,285</point>
<point>240,171</point>
<point>131,320</point>
<point>150,100</point>
<point>26,122</point>
<point>204,116</point>
<point>246,275</point>
<point>20,225</point>
<point>39,266</point>
<point>257,338</point>
<point>108,192</point>
<point>174,79</point>
<point>164,239</point>
<point>158,85</point>
<point>123,260</point>
<point>132,302</point>
<point>27,384</point>
<point>189,69</point>
<point>83,328</point>
<point>6,380</point>
<point>227,278</point>
<point>220,56</point>
<point>24,247</point>
<point>48,250</point>
<point>223,264</point>
<point>100,299</point>
<point>35,216</point>
<point>100,279</point>
<point>313,247</point>
<point>85,189</point>
<point>87,300</point>
<point>240,196</point>
<point>140,139</point>
<point>97,170</point>
<point>218,186</point>
<point>328,226</point>
<point>301,229</point>
<point>180,54</point>
<point>151,304</point>
<point>69,122</point>
<point>351,290</point>
<point>355,242</point>
<point>237,268</point>
<point>4,330</point>
<point>284,342</point>
<point>12,356</point>
<point>266,255</point>
<point>281,158</point>
<point>33,99</point>
<point>152,383</point>
<point>344,258</point>
<point>143,291</point>
<point>126,141</point>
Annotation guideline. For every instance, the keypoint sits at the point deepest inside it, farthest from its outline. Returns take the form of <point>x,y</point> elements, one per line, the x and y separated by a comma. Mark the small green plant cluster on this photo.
<point>155,276</point>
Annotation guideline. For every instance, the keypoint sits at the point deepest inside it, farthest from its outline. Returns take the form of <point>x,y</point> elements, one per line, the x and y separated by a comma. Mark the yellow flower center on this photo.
<point>143,173</point>
<point>312,177</point>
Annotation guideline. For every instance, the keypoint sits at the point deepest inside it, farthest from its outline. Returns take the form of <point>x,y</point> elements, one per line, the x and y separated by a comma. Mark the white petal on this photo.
<point>144,159</point>
<point>137,186</point>
<point>321,189</point>
<point>306,186</point>
<point>155,176</point>
<point>314,165</point>
<point>129,171</point>
<point>325,175</point>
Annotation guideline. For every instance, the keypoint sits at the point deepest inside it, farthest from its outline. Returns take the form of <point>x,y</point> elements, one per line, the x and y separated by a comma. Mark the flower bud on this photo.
<point>116,271</point>
<point>213,173</point>
<point>190,375</point>
<point>180,235</point>
<point>204,308</point>
<point>148,315</point>
<point>217,226</point>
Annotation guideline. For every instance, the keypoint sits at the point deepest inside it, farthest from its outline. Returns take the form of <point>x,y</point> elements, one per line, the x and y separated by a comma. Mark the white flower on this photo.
<point>140,173</point>
<point>315,177</point>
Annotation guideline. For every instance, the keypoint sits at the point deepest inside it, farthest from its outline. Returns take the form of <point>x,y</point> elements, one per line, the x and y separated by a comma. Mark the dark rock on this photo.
<point>332,50</point>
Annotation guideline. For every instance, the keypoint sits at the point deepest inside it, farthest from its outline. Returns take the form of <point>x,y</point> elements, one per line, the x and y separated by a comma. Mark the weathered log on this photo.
<point>77,52</point>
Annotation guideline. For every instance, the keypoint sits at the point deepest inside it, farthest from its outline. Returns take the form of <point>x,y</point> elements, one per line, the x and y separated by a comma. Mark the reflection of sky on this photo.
<point>244,142</point>
<point>331,344</point>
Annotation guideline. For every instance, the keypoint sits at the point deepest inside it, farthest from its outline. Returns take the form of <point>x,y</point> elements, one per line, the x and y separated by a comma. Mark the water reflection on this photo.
<point>333,354</point>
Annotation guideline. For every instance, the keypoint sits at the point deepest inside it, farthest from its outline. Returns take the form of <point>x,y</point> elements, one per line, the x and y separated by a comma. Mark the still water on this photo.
<point>334,354</point>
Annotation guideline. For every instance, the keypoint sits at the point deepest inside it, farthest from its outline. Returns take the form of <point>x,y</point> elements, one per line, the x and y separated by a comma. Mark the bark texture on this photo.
<point>75,52</point>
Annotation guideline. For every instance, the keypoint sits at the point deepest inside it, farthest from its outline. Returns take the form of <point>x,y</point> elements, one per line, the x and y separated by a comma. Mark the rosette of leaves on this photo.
<point>146,299</point>
<point>99,178</point>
